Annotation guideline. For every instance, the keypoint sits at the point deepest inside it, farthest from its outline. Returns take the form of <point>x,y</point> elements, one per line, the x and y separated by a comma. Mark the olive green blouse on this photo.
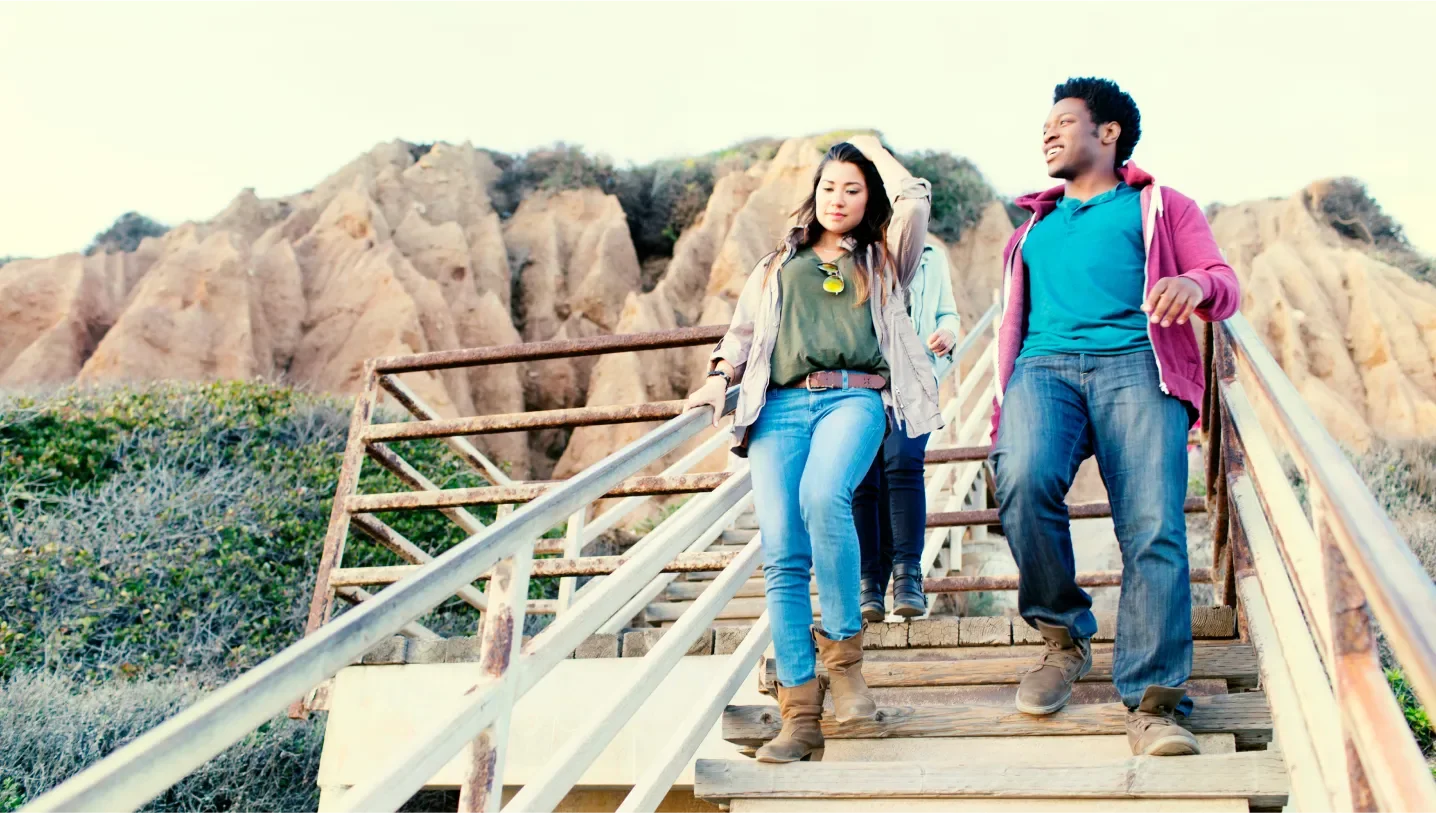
<point>818,330</point>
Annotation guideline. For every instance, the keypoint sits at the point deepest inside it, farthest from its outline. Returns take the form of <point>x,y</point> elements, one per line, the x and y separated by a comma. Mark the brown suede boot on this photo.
<point>1152,728</point>
<point>844,662</point>
<point>1047,686</point>
<point>802,707</point>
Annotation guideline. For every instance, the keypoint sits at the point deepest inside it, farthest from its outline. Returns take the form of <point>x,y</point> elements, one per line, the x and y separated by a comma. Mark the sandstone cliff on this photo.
<point>403,251</point>
<point>1356,335</point>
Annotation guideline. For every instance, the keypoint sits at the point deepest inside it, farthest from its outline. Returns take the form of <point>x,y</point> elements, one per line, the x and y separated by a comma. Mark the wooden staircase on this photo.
<point>947,737</point>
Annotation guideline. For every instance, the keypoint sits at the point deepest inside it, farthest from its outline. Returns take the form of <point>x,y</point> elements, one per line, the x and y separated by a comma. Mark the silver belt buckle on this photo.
<point>808,383</point>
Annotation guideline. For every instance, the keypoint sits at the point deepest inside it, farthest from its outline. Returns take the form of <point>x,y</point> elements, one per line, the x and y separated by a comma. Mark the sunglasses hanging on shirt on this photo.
<point>833,284</point>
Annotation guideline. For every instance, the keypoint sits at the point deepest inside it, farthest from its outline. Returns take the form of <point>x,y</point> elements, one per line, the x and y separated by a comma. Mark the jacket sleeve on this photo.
<point>735,344</point>
<point>937,266</point>
<point>1200,259</point>
<point>907,232</point>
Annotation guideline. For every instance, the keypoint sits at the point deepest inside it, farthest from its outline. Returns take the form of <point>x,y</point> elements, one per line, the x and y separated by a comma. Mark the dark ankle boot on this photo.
<point>871,600</point>
<point>908,599</point>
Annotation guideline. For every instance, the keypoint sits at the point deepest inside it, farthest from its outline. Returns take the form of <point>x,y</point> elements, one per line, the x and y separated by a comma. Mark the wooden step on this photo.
<point>1005,695</point>
<point>1236,663</point>
<point>988,804</point>
<point>1257,776</point>
<point>1245,715</point>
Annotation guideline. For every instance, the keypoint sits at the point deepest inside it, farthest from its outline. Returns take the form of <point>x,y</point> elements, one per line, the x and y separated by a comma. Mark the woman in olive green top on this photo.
<point>822,349</point>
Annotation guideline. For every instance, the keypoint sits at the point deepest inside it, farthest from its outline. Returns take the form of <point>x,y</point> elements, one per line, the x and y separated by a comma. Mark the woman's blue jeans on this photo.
<point>807,452</point>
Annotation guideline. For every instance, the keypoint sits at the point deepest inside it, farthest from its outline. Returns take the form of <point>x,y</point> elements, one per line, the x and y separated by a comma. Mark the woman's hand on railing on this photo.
<point>941,342</point>
<point>713,393</point>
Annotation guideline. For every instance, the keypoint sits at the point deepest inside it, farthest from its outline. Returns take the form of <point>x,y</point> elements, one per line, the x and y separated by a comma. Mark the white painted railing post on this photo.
<point>503,629</point>
<point>572,549</point>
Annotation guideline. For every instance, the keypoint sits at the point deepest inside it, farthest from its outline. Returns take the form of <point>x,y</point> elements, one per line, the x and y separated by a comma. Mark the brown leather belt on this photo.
<point>837,380</point>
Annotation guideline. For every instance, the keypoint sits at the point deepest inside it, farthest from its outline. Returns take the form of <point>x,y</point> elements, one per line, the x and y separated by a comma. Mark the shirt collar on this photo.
<point>1095,200</point>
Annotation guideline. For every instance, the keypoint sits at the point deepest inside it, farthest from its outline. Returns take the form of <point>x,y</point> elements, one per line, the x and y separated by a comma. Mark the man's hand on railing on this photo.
<point>713,393</point>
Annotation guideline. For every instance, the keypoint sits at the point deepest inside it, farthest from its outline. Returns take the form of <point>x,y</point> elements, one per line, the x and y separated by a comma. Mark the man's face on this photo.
<point>1071,144</point>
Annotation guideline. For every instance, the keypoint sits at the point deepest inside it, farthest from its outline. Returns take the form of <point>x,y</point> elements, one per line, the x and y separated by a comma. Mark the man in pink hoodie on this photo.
<point>1097,356</point>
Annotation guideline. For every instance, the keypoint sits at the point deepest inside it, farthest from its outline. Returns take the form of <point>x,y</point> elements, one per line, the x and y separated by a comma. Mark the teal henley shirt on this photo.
<point>1086,267</point>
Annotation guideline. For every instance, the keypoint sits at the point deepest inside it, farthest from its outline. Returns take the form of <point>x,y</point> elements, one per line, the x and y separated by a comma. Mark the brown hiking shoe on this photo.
<point>802,708</point>
<point>1152,728</point>
<point>844,661</point>
<point>1047,686</point>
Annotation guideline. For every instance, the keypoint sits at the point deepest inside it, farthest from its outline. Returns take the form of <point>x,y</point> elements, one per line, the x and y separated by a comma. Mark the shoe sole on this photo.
<point>1173,746</point>
<point>816,755</point>
<point>1043,711</point>
<point>873,615</point>
<point>1053,708</point>
<point>909,610</point>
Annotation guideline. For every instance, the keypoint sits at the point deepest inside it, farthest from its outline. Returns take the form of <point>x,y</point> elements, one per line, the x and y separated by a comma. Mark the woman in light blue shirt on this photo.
<point>890,505</point>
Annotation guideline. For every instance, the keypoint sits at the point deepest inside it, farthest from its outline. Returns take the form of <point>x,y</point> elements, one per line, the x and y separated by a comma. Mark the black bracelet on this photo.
<point>726,379</point>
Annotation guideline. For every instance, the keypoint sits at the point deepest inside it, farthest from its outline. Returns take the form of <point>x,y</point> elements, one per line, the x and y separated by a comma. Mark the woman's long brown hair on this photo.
<point>871,232</point>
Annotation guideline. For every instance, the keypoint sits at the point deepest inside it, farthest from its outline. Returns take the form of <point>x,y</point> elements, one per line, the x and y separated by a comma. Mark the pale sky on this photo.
<point>171,109</point>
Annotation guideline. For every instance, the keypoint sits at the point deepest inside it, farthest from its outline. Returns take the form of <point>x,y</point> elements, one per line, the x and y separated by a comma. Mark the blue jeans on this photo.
<point>1058,411</point>
<point>807,451</point>
<point>890,506</point>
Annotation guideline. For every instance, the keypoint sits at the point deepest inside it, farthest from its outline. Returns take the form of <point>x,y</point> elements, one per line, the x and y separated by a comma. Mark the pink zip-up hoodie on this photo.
<point>1178,242</point>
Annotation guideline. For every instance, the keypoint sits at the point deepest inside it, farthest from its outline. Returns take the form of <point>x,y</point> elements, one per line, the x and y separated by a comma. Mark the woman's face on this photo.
<point>842,197</point>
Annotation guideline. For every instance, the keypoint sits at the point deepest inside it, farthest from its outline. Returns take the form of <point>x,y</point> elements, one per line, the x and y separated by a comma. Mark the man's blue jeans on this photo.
<point>1058,410</point>
<point>807,452</point>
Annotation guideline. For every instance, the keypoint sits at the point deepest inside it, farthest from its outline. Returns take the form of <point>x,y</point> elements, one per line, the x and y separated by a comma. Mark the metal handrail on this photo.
<point>469,713</point>
<point>1401,595</point>
<point>1316,576</point>
<point>142,770</point>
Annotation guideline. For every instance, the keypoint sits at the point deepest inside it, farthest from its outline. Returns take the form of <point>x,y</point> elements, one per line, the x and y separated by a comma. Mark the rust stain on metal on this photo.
<point>1094,578</point>
<point>524,421</point>
<point>1088,510</point>
<point>956,454</point>
<point>480,779</point>
<point>556,348</point>
<point>525,492</point>
<point>321,604</point>
<point>499,646</point>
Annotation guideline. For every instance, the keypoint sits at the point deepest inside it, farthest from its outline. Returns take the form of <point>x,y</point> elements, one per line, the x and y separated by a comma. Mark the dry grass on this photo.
<point>51,727</point>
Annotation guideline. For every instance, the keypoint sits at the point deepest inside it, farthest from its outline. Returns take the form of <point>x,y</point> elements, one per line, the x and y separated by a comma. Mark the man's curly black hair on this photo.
<point>1106,102</point>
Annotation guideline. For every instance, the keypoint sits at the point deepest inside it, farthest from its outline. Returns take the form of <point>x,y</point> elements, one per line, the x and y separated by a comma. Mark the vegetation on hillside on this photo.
<point>126,233</point>
<point>664,198</point>
<point>154,543</point>
<point>1350,209</point>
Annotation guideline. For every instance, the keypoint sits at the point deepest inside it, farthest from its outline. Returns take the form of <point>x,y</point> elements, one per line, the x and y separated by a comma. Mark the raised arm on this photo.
<point>912,201</point>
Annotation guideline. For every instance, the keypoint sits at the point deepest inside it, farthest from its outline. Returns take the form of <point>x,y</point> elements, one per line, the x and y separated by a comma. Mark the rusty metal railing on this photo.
<point>1309,581</point>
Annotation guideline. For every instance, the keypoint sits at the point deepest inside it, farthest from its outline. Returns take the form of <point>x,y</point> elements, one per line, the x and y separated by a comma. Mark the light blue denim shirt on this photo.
<point>931,306</point>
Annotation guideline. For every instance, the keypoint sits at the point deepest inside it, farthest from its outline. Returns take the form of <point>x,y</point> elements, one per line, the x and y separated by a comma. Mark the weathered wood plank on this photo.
<point>1258,776</point>
<point>1005,694</point>
<point>1236,662</point>
<point>1243,714</point>
<point>978,804</point>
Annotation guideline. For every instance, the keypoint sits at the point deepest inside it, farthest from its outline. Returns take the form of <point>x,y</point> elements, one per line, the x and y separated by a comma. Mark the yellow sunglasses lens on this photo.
<point>833,285</point>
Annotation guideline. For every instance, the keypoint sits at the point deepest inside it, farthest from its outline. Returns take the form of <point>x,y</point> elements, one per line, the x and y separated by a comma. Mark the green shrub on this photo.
<point>177,527</point>
<point>959,192</point>
<point>662,199</point>
<point>126,233</point>
<point>1350,209</point>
